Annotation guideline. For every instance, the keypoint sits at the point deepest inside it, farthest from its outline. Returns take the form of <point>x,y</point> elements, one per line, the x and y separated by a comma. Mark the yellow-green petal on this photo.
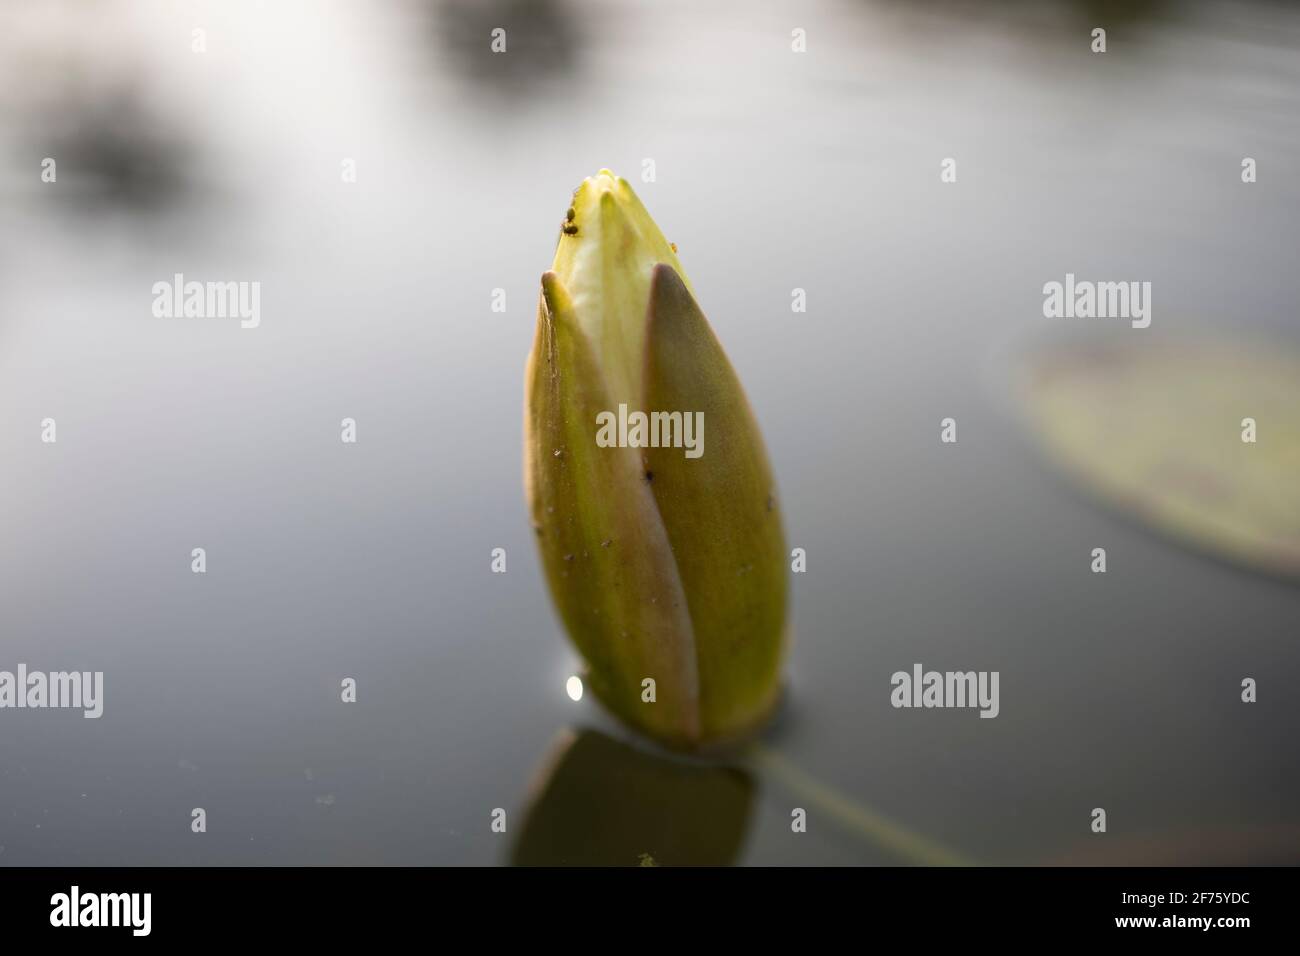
<point>604,260</point>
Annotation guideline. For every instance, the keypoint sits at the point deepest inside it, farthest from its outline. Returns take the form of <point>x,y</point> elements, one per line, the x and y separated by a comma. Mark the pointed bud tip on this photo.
<point>550,282</point>
<point>668,293</point>
<point>663,272</point>
<point>555,295</point>
<point>603,183</point>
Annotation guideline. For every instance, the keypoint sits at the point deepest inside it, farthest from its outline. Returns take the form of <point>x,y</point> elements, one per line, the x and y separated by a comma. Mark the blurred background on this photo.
<point>774,170</point>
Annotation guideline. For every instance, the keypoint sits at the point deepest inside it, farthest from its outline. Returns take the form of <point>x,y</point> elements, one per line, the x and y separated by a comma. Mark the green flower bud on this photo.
<point>663,567</point>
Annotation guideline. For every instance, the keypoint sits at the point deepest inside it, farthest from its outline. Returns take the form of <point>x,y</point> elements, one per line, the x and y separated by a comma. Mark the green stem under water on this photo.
<point>851,815</point>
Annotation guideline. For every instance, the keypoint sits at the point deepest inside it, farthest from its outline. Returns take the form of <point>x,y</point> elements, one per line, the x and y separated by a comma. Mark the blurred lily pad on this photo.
<point>1157,431</point>
<point>601,802</point>
<point>1270,844</point>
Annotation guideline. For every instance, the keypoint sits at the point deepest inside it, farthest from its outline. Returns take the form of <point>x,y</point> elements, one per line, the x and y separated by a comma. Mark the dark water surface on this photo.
<point>774,171</point>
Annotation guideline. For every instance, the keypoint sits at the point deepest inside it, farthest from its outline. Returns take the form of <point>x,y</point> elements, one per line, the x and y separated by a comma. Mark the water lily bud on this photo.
<point>665,565</point>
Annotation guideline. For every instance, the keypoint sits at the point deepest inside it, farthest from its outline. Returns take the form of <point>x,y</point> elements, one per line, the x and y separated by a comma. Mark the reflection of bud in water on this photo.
<point>605,803</point>
<point>663,566</point>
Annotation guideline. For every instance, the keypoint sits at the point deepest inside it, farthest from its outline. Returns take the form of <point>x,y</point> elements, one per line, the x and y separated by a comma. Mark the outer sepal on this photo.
<point>720,513</point>
<point>605,552</point>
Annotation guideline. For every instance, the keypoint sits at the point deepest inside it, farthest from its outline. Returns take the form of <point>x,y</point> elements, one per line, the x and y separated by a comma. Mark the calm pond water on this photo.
<point>774,170</point>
